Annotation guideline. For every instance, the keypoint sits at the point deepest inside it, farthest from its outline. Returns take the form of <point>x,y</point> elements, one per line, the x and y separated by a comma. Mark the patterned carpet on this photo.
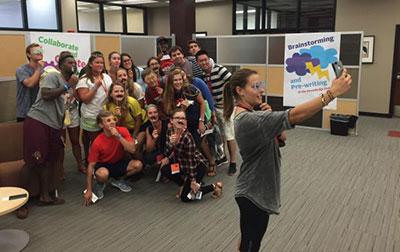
<point>339,194</point>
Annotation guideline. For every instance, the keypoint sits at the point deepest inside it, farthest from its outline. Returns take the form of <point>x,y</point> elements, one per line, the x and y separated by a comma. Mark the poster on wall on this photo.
<point>54,43</point>
<point>308,66</point>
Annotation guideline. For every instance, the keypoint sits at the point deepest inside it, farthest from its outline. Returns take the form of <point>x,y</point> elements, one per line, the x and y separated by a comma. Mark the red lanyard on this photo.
<point>245,106</point>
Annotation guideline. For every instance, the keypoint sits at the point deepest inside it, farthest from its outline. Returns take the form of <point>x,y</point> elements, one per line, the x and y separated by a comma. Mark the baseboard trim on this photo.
<point>374,114</point>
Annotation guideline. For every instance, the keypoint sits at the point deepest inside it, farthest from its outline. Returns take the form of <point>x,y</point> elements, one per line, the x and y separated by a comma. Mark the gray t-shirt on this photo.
<point>259,179</point>
<point>26,96</point>
<point>49,112</point>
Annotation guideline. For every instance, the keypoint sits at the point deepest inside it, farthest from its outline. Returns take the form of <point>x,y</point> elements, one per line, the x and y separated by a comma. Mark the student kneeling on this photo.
<point>106,158</point>
<point>184,164</point>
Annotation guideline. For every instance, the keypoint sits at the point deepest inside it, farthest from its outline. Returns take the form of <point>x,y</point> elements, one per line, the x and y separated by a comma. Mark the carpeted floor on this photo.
<point>339,194</point>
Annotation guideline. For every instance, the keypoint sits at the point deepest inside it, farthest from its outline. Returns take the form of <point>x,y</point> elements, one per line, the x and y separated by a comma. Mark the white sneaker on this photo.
<point>121,185</point>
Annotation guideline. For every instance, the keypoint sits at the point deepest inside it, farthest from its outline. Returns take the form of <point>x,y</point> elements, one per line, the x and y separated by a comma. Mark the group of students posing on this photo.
<point>130,118</point>
<point>159,116</point>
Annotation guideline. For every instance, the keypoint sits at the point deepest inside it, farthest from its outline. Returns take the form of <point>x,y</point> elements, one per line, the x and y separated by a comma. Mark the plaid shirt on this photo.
<point>185,153</point>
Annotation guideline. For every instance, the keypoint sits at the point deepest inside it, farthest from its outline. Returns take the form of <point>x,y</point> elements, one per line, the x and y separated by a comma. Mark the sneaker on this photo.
<point>121,185</point>
<point>98,189</point>
<point>232,169</point>
<point>221,161</point>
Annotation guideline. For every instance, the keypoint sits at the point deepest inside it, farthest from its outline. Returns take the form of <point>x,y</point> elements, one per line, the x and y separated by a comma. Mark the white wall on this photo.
<point>113,20</point>
<point>68,15</point>
<point>377,18</point>
<point>89,21</point>
<point>214,18</point>
<point>135,20</point>
<point>158,21</point>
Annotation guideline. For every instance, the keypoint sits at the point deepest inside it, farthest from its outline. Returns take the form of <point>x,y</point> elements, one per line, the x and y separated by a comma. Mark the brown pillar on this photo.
<point>182,15</point>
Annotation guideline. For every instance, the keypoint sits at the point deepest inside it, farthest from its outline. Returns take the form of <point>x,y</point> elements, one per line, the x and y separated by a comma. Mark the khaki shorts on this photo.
<point>227,126</point>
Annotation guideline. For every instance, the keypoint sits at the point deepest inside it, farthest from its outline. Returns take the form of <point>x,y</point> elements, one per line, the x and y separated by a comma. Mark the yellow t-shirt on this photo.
<point>134,111</point>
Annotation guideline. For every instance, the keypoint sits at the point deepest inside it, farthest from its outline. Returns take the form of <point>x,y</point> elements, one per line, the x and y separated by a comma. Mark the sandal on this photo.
<point>217,190</point>
<point>212,170</point>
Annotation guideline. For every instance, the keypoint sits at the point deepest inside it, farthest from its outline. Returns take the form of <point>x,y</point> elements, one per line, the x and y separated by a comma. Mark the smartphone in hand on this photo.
<point>257,107</point>
<point>338,68</point>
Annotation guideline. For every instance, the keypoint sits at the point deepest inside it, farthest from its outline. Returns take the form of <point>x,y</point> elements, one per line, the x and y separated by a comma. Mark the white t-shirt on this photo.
<point>92,109</point>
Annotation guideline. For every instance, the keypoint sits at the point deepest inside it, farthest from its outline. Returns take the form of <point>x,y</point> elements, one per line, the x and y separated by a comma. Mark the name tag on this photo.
<point>175,168</point>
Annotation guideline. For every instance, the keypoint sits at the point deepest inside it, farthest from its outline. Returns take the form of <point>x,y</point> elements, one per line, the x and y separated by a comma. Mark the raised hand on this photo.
<point>98,82</point>
<point>265,107</point>
<point>155,134</point>
<point>342,84</point>
<point>118,111</point>
<point>114,131</point>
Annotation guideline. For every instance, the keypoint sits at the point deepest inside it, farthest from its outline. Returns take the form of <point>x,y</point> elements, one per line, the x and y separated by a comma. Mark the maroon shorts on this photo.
<point>42,143</point>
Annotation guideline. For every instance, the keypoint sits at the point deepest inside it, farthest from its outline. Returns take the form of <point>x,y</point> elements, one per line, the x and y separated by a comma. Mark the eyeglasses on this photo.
<point>258,85</point>
<point>179,118</point>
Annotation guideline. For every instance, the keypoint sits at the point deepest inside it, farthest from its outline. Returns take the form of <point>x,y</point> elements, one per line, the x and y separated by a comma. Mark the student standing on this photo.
<point>28,76</point>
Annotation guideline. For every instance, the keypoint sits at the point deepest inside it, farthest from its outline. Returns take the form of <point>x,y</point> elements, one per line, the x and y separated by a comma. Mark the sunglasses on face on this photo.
<point>258,86</point>
<point>37,51</point>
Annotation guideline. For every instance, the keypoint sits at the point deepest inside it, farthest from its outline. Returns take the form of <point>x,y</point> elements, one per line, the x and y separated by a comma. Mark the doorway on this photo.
<point>394,109</point>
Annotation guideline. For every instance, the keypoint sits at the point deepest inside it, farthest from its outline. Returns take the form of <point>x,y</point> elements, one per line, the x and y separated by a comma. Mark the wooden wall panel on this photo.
<point>348,107</point>
<point>13,54</point>
<point>107,44</point>
<point>275,81</point>
<point>261,70</point>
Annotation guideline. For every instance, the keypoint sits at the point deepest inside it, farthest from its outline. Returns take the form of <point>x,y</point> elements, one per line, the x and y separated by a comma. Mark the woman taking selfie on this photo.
<point>258,183</point>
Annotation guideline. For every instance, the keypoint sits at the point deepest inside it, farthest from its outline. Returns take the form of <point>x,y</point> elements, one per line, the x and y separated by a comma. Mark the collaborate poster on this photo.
<point>54,43</point>
<point>308,69</point>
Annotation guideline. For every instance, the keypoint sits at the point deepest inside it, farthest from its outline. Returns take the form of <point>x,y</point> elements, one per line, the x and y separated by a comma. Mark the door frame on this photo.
<point>396,58</point>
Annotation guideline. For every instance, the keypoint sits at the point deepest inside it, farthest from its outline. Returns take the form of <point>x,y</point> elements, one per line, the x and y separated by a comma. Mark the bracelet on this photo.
<point>118,136</point>
<point>66,87</point>
<point>201,120</point>
<point>324,102</point>
<point>330,95</point>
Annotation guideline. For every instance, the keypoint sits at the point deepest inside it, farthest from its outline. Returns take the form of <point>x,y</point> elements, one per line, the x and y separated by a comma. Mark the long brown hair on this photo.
<point>89,70</point>
<point>238,79</point>
<point>129,86</point>
<point>169,91</point>
<point>124,104</point>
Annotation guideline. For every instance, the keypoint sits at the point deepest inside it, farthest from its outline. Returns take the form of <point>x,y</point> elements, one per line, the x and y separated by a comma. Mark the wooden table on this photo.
<point>12,239</point>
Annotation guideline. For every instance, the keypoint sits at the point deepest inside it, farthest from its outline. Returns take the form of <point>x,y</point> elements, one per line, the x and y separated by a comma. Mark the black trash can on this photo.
<point>352,121</point>
<point>340,124</point>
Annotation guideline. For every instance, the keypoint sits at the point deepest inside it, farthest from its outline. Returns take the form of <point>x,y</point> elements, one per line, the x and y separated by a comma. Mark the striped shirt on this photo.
<point>216,81</point>
<point>197,72</point>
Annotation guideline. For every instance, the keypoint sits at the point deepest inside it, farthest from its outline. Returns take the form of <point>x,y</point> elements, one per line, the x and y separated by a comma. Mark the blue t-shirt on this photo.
<point>26,96</point>
<point>202,86</point>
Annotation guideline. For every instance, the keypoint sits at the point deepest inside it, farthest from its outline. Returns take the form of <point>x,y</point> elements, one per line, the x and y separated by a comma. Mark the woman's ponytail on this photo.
<point>228,101</point>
